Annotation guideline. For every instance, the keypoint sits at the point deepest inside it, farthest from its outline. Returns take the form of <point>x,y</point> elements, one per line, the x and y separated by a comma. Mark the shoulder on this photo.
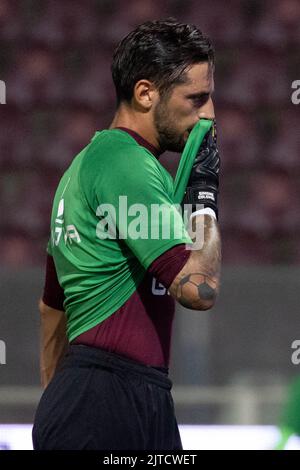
<point>114,149</point>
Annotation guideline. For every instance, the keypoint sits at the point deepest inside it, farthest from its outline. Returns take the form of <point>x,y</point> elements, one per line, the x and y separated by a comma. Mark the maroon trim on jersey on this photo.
<point>53,294</point>
<point>143,142</point>
<point>141,329</point>
<point>166,267</point>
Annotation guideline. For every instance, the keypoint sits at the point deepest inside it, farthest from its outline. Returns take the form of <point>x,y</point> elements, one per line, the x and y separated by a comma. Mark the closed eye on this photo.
<point>199,99</point>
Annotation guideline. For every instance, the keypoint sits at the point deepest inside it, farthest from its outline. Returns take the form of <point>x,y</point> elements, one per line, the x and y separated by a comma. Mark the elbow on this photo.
<point>206,304</point>
<point>196,303</point>
<point>207,296</point>
<point>197,295</point>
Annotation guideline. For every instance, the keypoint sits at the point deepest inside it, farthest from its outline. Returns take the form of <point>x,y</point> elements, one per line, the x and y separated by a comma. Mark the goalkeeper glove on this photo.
<point>203,184</point>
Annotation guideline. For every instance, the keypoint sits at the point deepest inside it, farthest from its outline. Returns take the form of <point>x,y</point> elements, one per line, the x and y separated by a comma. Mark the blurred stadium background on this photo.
<point>231,365</point>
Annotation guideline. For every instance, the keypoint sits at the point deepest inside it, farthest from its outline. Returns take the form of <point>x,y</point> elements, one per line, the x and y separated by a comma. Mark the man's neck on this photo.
<point>137,122</point>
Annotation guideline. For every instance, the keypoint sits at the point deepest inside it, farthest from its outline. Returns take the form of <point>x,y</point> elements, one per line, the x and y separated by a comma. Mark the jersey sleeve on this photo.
<point>166,267</point>
<point>53,294</point>
<point>133,193</point>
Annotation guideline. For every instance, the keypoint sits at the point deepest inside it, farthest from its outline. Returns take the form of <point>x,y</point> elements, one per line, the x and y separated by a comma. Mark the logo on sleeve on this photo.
<point>69,231</point>
<point>158,288</point>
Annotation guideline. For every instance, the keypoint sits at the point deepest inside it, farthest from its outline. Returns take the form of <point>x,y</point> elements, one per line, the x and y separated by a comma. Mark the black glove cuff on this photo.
<point>202,196</point>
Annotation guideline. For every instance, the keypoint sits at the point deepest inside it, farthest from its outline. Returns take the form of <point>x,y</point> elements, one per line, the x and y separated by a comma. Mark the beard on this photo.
<point>169,137</point>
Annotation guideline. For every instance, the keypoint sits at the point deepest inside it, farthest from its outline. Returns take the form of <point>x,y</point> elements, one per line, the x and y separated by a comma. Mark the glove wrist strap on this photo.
<point>205,211</point>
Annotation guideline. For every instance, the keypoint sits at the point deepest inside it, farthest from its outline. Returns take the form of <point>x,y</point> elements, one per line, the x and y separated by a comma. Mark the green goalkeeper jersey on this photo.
<point>113,215</point>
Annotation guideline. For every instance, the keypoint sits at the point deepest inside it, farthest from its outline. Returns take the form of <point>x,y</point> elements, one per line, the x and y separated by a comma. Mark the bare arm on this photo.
<point>54,341</point>
<point>196,286</point>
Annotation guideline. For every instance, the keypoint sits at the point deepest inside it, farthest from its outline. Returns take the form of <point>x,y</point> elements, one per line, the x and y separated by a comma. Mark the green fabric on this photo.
<point>188,156</point>
<point>289,424</point>
<point>285,434</point>
<point>291,413</point>
<point>98,275</point>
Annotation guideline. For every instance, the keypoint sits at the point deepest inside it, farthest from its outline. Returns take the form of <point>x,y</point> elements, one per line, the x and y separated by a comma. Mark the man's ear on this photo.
<point>145,95</point>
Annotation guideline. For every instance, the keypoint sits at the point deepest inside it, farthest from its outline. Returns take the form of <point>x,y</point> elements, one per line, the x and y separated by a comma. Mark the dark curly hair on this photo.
<point>159,51</point>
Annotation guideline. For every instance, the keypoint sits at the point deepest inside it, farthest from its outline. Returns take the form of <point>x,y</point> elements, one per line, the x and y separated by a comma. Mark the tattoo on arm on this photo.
<point>205,288</point>
<point>198,283</point>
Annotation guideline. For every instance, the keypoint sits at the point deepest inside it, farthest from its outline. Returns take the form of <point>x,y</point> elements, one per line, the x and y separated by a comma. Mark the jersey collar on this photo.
<point>141,141</point>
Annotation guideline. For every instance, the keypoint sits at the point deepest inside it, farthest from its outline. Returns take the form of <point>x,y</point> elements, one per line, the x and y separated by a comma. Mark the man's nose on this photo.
<point>207,111</point>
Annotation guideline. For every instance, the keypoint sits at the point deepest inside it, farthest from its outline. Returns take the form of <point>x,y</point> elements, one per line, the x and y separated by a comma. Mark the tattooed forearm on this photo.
<point>197,285</point>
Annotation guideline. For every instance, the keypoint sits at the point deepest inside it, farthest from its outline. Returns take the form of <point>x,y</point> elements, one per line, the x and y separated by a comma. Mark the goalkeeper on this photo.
<point>111,284</point>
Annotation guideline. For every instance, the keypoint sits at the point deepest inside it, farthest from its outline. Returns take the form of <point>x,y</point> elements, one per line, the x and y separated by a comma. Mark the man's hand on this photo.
<point>203,184</point>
